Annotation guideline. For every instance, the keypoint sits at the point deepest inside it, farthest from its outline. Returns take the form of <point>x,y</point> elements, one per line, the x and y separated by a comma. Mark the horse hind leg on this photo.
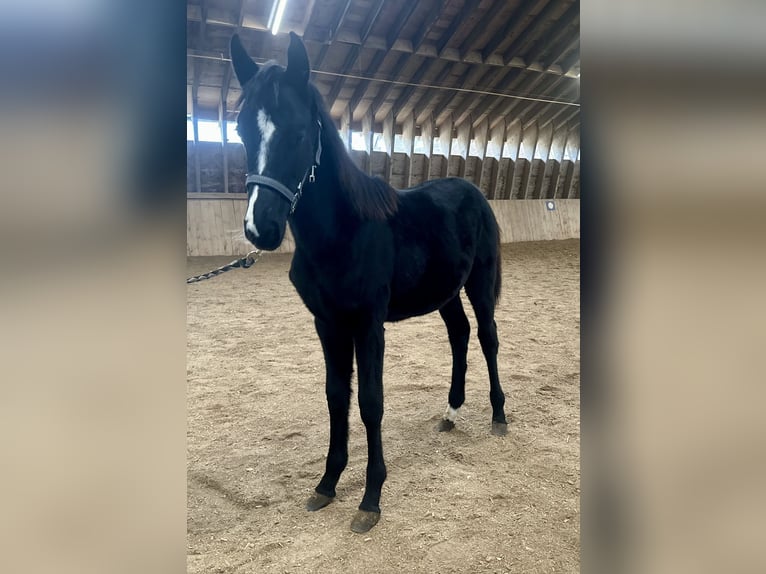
<point>459,331</point>
<point>480,289</point>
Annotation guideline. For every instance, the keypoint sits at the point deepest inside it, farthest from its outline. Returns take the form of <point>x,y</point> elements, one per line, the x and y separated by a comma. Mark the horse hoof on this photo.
<point>364,521</point>
<point>317,501</point>
<point>499,429</point>
<point>445,425</point>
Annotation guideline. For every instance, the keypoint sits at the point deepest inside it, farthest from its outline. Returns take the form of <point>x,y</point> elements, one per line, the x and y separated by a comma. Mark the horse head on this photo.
<point>280,126</point>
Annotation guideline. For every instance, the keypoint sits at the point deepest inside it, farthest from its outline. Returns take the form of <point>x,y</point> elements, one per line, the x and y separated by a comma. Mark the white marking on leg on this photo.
<point>267,131</point>
<point>249,223</point>
<point>451,414</point>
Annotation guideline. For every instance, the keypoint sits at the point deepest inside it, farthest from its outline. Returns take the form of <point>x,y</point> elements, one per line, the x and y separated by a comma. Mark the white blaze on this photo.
<point>267,132</point>
<point>249,224</point>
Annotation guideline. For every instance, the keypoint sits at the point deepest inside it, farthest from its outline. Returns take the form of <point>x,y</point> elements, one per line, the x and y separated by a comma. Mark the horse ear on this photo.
<point>244,67</point>
<point>298,69</point>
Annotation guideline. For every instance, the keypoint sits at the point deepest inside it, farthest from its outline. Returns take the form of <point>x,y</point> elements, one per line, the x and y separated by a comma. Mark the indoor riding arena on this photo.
<point>487,91</point>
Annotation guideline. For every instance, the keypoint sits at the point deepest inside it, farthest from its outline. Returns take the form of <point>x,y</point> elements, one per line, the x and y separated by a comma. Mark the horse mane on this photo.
<point>370,197</point>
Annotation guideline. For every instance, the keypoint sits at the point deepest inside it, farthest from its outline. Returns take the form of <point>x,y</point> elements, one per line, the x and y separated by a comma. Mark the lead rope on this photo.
<point>243,262</point>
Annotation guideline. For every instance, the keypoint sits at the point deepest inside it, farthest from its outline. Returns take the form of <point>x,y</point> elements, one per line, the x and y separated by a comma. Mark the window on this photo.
<point>398,143</point>
<point>377,143</point>
<point>357,141</point>
<point>210,131</point>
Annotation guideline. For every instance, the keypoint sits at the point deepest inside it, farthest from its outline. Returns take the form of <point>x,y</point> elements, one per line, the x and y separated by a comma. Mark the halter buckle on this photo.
<point>312,177</point>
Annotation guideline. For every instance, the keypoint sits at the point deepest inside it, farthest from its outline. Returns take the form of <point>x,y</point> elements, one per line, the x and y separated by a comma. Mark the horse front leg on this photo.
<point>338,348</point>
<point>370,343</point>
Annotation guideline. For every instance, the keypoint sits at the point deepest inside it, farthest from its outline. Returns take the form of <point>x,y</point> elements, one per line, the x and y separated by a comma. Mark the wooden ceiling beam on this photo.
<point>399,23</point>
<point>427,25</point>
<point>425,67</point>
<point>570,60</point>
<point>530,30</point>
<point>439,96</point>
<point>525,90</point>
<point>421,102</point>
<point>364,85</point>
<point>562,50</point>
<point>555,34</point>
<point>472,79</point>
<point>340,16</point>
<point>472,103</point>
<point>545,92</point>
<point>453,27</point>
<point>371,22</point>
<point>489,16</point>
<point>512,23</point>
<point>512,80</point>
<point>383,92</point>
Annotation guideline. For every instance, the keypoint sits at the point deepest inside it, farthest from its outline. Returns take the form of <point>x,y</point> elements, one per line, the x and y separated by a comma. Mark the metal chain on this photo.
<point>243,262</point>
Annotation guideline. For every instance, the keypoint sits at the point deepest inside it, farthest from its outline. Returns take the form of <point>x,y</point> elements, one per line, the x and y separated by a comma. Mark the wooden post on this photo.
<point>528,146</point>
<point>481,135</point>
<point>540,163</point>
<point>408,136</point>
<point>345,128</point>
<point>572,148</point>
<point>494,154</point>
<point>388,142</point>
<point>195,113</point>
<point>224,140</point>
<point>445,142</point>
<point>463,143</point>
<point>368,133</point>
<point>427,133</point>
<point>553,165</point>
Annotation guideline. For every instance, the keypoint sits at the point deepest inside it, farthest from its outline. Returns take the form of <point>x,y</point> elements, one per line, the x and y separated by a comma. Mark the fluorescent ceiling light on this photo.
<point>278,13</point>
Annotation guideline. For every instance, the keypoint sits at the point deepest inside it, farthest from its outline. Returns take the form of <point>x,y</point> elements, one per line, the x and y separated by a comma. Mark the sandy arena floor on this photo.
<point>460,502</point>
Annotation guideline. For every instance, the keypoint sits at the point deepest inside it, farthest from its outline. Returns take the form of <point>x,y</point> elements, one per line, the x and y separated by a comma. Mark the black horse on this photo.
<point>365,254</point>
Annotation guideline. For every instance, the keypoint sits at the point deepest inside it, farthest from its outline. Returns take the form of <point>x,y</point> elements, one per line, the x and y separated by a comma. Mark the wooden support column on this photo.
<point>195,113</point>
<point>463,143</point>
<point>539,165</point>
<point>516,135</point>
<point>511,151</point>
<point>345,128</point>
<point>388,142</point>
<point>369,133</point>
<point>573,190</point>
<point>564,167</point>
<point>572,148</point>
<point>408,136</point>
<point>481,137</point>
<point>494,155</point>
<point>553,165</point>
<point>427,133</point>
<point>224,140</point>
<point>445,142</point>
<point>528,147</point>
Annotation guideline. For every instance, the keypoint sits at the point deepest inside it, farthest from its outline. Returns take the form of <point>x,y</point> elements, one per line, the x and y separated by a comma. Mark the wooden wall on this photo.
<point>214,223</point>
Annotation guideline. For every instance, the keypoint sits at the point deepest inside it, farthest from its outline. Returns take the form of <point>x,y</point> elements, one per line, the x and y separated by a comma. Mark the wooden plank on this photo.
<point>189,227</point>
<point>193,239</point>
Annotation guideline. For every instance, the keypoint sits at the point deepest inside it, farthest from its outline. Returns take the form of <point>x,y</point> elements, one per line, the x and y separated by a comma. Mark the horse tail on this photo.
<point>498,263</point>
